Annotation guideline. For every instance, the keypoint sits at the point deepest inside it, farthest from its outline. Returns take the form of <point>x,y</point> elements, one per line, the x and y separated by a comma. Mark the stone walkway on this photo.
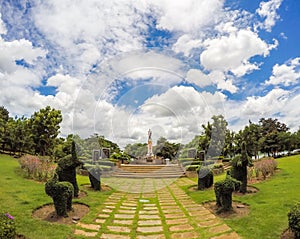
<point>165,212</point>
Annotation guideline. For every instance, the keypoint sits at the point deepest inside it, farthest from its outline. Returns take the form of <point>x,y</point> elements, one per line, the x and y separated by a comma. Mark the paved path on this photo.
<point>164,212</point>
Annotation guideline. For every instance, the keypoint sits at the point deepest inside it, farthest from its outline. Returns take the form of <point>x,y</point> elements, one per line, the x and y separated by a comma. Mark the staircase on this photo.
<point>149,171</point>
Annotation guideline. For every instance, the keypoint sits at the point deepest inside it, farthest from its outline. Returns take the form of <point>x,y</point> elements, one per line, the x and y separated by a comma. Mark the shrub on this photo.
<point>265,167</point>
<point>294,220</point>
<point>205,178</point>
<point>218,165</point>
<point>38,168</point>
<point>191,167</point>
<point>7,226</point>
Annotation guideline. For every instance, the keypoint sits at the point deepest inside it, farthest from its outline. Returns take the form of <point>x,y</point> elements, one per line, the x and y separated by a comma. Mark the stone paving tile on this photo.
<point>183,227</point>
<point>126,211</point>
<point>150,208</point>
<point>200,213</point>
<point>232,235</point>
<point>123,222</point>
<point>127,208</point>
<point>169,206</point>
<point>110,207</point>
<point>205,218</point>
<point>149,222</point>
<point>157,236</point>
<point>177,215</point>
<point>185,235</point>
<point>124,216</point>
<point>119,229</point>
<point>146,216</point>
<point>150,229</point>
<point>149,212</point>
<point>84,233</point>
<point>173,210</point>
<point>219,229</point>
<point>113,236</point>
<point>209,223</point>
<point>94,227</point>
<point>102,215</point>
<point>107,210</point>
<point>101,221</point>
<point>176,221</point>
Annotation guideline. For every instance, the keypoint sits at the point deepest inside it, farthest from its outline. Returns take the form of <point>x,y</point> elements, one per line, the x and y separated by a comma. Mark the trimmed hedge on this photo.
<point>294,220</point>
<point>205,178</point>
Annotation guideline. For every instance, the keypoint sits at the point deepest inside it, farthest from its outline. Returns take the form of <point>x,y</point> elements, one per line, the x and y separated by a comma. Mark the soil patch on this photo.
<point>250,190</point>
<point>47,213</point>
<point>239,210</point>
<point>287,234</point>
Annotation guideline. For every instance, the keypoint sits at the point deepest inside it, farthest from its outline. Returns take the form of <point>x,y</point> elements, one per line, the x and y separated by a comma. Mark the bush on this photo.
<point>265,167</point>
<point>191,167</point>
<point>7,226</point>
<point>38,168</point>
<point>294,220</point>
<point>95,177</point>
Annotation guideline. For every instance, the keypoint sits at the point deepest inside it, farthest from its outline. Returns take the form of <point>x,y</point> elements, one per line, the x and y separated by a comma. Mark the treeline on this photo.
<point>268,136</point>
<point>38,135</point>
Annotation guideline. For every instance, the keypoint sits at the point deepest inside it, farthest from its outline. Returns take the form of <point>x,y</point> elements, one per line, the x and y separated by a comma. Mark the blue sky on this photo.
<point>120,67</point>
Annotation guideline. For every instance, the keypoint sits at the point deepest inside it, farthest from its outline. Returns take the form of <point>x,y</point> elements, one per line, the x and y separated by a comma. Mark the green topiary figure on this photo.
<point>94,176</point>
<point>66,169</point>
<point>223,191</point>
<point>294,220</point>
<point>239,167</point>
<point>205,178</point>
<point>61,193</point>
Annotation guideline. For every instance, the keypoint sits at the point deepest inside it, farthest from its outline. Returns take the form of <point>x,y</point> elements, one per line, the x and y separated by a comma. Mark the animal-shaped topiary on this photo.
<point>66,169</point>
<point>239,167</point>
<point>223,191</point>
<point>61,193</point>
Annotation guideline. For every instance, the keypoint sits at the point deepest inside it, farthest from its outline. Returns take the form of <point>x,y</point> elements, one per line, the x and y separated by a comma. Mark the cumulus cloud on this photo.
<point>267,10</point>
<point>285,74</point>
<point>233,52</point>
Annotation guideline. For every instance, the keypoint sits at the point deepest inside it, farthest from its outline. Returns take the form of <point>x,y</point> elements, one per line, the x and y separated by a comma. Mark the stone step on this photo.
<point>149,171</point>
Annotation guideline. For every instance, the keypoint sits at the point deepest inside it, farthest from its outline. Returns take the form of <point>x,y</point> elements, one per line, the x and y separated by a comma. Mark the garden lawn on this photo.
<point>20,197</point>
<point>270,206</point>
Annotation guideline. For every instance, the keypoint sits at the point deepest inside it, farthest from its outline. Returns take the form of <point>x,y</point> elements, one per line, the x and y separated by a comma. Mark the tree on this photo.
<point>4,116</point>
<point>270,132</point>
<point>166,149</point>
<point>213,140</point>
<point>45,128</point>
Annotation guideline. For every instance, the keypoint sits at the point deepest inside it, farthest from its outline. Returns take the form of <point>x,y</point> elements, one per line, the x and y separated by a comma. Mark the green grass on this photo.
<point>268,207</point>
<point>21,196</point>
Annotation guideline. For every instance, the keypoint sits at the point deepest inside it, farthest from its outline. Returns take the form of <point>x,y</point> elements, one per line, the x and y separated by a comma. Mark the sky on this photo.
<point>120,67</point>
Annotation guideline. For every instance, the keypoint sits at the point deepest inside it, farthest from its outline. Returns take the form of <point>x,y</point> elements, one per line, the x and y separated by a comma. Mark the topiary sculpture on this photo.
<point>239,168</point>
<point>294,220</point>
<point>223,191</point>
<point>94,176</point>
<point>205,178</point>
<point>66,169</point>
<point>61,193</point>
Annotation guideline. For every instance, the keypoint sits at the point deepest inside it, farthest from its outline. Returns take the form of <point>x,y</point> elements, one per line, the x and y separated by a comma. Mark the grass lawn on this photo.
<point>20,197</point>
<point>269,207</point>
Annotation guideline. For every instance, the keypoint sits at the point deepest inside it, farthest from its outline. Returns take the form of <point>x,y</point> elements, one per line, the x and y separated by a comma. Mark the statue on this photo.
<point>150,153</point>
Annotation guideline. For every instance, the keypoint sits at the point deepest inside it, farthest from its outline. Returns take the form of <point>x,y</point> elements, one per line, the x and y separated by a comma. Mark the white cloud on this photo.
<point>285,74</point>
<point>185,44</point>
<point>233,52</point>
<point>187,15</point>
<point>267,10</point>
<point>2,26</point>
<point>269,104</point>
